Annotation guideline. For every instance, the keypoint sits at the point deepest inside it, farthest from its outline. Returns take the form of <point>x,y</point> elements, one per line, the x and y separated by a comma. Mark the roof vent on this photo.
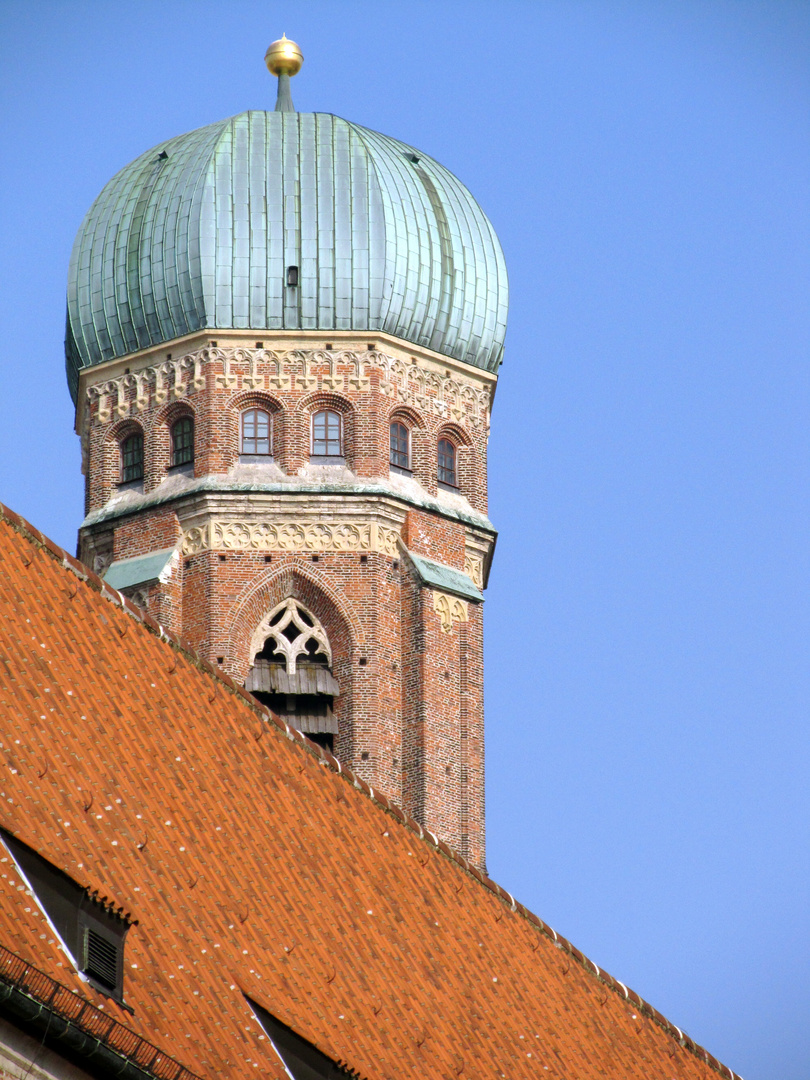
<point>90,929</point>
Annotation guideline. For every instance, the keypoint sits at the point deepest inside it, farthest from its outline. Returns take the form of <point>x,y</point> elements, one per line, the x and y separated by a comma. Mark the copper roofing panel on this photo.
<point>254,864</point>
<point>198,232</point>
<point>437,575</point>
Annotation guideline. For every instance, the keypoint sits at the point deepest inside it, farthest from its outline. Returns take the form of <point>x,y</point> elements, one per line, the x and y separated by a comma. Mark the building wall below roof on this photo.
<point>22,1056</point>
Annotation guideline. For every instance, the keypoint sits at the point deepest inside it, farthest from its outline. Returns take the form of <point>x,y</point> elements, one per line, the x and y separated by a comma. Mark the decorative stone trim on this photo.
<point>273,627</point>
<point>450,609</point>
<point>292,536</point>
<point>474,569</point>
<point>450,397</point>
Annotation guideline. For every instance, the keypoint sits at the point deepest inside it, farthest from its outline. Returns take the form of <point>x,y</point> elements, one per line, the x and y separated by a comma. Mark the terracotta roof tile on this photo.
<point>253,863</point>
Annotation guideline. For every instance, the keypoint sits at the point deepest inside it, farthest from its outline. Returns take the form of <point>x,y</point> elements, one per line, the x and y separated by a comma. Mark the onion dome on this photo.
<point>285,221</point>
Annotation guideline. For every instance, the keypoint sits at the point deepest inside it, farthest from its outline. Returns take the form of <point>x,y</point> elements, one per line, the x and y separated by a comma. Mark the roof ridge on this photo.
<point>84,573</point>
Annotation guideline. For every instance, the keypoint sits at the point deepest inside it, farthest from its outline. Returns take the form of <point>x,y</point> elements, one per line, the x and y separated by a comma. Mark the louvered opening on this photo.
<point>101,959</point>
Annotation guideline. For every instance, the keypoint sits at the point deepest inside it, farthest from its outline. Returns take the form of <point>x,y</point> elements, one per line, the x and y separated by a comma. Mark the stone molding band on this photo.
<point>290,536</point>
<point>447,396</point>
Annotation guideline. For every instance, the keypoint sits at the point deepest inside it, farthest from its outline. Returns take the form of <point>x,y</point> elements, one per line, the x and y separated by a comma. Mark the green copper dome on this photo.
<point>200,231</point>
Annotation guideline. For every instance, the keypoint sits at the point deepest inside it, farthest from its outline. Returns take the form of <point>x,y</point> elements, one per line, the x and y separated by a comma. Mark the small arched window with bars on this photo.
<point>256,434</point>
<point>400,448</point>
<point>327,434</point>
<point>183,441</point>
<point>132,458</point>
<point>447,463</point>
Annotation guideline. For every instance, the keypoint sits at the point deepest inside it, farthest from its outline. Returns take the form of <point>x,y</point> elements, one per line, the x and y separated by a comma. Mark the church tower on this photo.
<point>283,338</point>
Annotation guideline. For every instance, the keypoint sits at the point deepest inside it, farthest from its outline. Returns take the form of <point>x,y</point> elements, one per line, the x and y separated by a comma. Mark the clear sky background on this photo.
<point>647,168</point>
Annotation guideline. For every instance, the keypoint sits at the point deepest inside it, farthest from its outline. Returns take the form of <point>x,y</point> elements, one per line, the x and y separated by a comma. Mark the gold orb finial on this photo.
<point>284,57</point>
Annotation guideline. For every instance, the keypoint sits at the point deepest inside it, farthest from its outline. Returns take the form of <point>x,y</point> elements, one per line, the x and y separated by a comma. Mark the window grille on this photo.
<point>327,434</point>
<point>183,441</point>
<point>257,432</point>
<point>132,458</point>
<point>400,455</point>
<point>447,463</point>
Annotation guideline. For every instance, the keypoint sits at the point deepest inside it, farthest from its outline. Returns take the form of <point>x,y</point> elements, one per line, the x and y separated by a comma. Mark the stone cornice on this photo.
<point>222,485</point>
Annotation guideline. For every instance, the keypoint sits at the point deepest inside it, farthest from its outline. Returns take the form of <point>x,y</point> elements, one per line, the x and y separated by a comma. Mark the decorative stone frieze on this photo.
<point>450,609</point>
<point>451,397</point>
<point>291,536</point>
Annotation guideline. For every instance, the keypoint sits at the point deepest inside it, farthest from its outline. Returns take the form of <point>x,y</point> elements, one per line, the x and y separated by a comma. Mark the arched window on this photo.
<point>400,455</point>
<point>183,441</point>
<point>291,671</point>
<point>447,463</point>
<point>257,433</point>
<point>327,434</point>
<point>132,458</point>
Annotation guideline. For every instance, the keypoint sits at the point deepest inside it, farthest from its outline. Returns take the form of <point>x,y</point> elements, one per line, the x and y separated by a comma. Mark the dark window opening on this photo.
<point>132,458</point>
<point>327,434</point>
<point>183,441</point>
<point>92,934</point>
<point>257,433</point>
<point>292,276</point>
<point>400,451</point>
<point>300,1058</point>
<point>447,463</point>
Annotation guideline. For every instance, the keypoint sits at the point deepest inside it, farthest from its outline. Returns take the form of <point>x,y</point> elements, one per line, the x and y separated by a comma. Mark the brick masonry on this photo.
<point>335,537</point>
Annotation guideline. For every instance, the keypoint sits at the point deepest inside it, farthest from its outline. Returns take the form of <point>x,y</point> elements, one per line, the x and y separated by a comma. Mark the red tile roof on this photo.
<point>253,863</point>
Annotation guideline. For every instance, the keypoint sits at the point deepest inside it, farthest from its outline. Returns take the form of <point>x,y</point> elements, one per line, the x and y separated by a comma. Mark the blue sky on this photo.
<point>647,168</point>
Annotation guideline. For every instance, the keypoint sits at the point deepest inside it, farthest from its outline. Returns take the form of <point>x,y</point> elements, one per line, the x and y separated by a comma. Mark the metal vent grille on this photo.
<point>101,959</point>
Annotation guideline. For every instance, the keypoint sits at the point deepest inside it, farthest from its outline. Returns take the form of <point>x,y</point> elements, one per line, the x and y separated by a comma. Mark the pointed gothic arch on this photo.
<point>291,595</point>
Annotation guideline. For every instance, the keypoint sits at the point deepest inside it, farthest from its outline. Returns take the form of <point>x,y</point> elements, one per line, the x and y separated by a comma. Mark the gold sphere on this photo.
<point>284,57</point>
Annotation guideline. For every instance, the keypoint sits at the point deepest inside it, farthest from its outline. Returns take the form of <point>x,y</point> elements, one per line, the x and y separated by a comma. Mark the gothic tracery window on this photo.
<point>291,671</point>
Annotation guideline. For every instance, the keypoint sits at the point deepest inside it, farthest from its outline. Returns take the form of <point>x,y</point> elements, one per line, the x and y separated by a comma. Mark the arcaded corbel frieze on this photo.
<point>450,609</point>
<point>307,537</point>
<point>227,379</point>
<point>449,397</point>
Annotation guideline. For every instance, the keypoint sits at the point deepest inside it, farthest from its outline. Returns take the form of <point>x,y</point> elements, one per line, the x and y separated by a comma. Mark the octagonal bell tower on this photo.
<point>283,339</point>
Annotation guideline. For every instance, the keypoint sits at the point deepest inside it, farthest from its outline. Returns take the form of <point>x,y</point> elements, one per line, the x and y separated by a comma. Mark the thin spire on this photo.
<point>284,59</point>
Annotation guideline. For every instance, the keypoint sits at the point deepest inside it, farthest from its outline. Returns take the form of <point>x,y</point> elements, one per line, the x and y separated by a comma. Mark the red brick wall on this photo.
<point>410,709</point>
